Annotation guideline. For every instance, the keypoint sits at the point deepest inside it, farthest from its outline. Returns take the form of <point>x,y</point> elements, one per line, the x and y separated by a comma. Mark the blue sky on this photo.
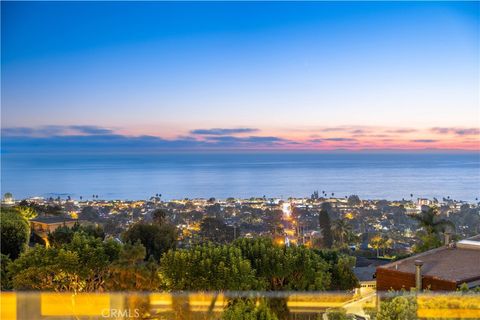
<point>299,75</point>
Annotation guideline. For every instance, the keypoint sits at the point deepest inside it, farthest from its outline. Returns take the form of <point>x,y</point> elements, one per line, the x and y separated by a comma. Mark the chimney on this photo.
<point>418,274</point>
<point>447,236</point>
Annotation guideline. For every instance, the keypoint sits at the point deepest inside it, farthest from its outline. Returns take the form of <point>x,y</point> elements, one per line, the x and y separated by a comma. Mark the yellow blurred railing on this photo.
<point>448,306</point>
<point>210,305</point>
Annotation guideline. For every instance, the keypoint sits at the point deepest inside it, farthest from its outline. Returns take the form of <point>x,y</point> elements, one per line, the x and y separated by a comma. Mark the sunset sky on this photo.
<point>243,75</point>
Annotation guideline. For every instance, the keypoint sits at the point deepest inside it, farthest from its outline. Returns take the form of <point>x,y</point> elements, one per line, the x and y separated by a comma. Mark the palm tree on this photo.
<point>429,221</point>
<point>376,243</point>
<point>341,229</point>
<point>380,241</point>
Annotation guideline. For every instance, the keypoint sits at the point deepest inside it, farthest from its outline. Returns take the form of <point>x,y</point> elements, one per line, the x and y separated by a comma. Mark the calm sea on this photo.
<point>176,176</point>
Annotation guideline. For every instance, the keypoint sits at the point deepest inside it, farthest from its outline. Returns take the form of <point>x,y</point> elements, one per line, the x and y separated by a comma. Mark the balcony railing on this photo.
<point>218,305</point>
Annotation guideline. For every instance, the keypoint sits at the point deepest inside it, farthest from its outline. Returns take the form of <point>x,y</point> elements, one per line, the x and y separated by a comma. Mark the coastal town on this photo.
<point>371,246</point>
<point>365,227</point>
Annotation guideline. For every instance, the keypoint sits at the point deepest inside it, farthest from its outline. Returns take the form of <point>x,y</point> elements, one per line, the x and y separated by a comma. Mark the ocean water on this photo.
<point>221,175</point>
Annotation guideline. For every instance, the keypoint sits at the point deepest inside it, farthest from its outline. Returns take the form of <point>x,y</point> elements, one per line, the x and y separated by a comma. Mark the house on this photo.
<point>364,270</point>
<point>47,224</point>
<point>444,268</point>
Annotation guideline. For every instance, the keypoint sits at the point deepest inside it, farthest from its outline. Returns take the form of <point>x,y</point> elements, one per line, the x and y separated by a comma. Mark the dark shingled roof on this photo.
<point>459,264</point>
<point>365,273</point>
<point>52,219</point>
<point>365,262</point>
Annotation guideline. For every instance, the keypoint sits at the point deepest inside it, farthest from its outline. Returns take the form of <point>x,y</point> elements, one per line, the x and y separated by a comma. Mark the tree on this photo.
<point>248,309</point>
<point>427,242</point>
<point>215,230</point>
<point>353,200</point>
<point>429,221</point>
<point>159,216</point>
<point>377,242</point>
<point>341,230</point>
<point>285,268</point>
<point>273,221</point>
<point>380,241</point>
<point>211,200</point>
<point>157,239</point>
<point>5,276</point>
<point>92,230</point>
<point>78,266</point>
<point>432,226</point>
<point>388,244</point>
<point>89,213</point>
<point>15,233</point>
<point>62,235</point>
<point>95,256</point>
<point>341,269</point>
<point>398,308</point>
<point>113,226</point>
<point>27,212</point>
<point>326,229</point>
<point>207,267</point>
<point>131,271</point>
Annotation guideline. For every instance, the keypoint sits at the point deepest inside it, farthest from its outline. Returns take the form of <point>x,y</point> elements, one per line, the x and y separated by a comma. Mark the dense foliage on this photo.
<point>156,238</point>
<point>63,235</point>
<point>248,310</point>
<point>80,265</point>
<point>340,266</point>
<point>15,232</point>
<point>398,308</point>
<point>207,267</point>
<point>5,277</point>
<point>131,272</point>
<point>326,229</point>
<point>285,268</point>
<point>432,227</point>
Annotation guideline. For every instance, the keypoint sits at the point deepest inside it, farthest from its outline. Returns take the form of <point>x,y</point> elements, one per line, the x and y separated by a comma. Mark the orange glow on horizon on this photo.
<point>325,138</point>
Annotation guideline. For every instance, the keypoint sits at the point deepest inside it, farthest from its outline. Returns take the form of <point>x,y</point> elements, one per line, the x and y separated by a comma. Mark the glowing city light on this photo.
<point>287,209</point>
